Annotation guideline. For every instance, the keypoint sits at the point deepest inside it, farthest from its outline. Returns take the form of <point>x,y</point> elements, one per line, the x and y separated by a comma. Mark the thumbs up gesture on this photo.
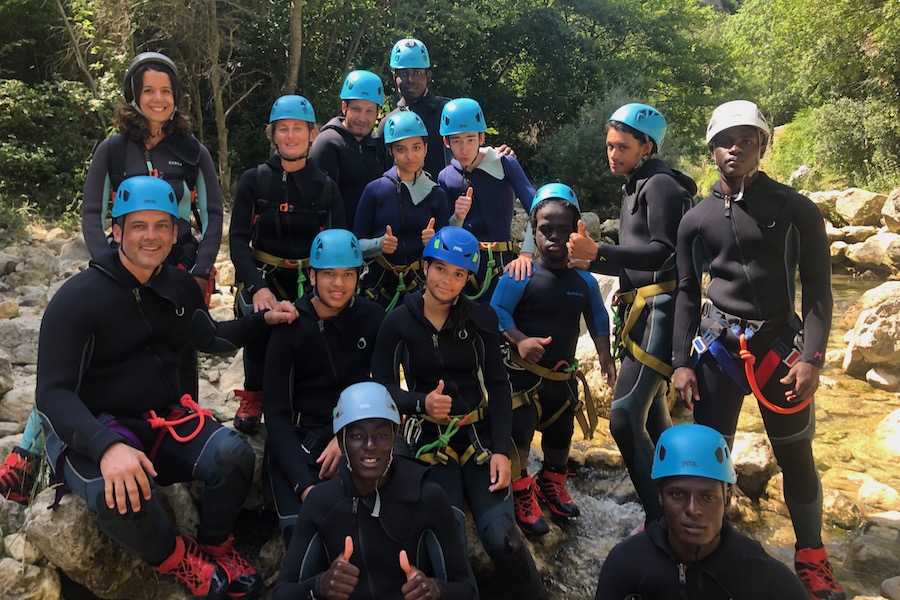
<point>389,241</point>
<point>341,578</point>
<point>463,204</point>
<point>437,403</point>
<point>417,586</point>
<point>428,232</point>
<point>532,349</point>
<point>580,246</point>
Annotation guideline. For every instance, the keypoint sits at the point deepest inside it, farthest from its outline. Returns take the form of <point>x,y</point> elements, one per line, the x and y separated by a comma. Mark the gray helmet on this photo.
<point>160,62</point>
<point>365,400</point>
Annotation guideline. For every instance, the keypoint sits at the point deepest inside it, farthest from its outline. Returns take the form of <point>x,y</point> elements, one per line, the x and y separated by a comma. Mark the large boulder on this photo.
<point>19,338</point>
<point>754,462</point>
<point>880,253</point>
<point>875,338</point>
<point>859,207</point>
<point>890,212</point>
<point>824,201</point>
<point>887,433</point>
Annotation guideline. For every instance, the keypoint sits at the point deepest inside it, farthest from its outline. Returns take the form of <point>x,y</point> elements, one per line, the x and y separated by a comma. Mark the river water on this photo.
<point>848,411</point>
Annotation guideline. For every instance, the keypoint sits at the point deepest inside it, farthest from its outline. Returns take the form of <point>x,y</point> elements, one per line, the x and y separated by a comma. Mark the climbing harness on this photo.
<point>628,307</point>
<point>188,411</point>
<point>411,270</point>
<point>491,271</point>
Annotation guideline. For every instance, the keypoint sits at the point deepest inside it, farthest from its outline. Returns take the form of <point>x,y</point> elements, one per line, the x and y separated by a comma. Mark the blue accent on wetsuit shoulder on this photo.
<point>506,297</point>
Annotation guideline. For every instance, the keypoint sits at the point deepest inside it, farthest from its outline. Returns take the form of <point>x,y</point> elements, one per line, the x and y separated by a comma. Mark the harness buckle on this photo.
<point>285,207</point>
<point>441,457</point>
<point>791,359</point>
<point>155,173</point>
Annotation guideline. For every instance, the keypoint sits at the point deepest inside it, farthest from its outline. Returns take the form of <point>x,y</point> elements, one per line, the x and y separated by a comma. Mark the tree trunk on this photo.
<point>295,51</point>
<point>218,79</point>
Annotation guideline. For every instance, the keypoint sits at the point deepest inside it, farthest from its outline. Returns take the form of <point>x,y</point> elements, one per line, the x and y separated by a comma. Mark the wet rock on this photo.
<point>19,338</point>
<point>890,211</point>
<point>859,207</point>
<point>19,548</point>
<point>754,462</point>
<point>890,588</point>
<point>22,581</point>
<point>888,433</point>
<point>884,379</point>
<point>879,495</point>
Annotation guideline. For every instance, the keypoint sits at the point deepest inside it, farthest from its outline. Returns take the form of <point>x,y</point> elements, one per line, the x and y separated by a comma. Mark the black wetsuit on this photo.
<point>654,200</point>
<point>465,350</point>
<point>429,108</point>
<point>753,248</point>
<point>281,221</point>
<point>643,567</point>
<point>109,353</point>
<point>415,516</point>
<point>308,364</point>
<point>350,163</point>
<point>549,302</point>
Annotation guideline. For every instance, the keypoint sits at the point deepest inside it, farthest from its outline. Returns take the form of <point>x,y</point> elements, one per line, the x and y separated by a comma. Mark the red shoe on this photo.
<point>249,413</point>
<point>189,565</point>
<point>551,488</point>
<point>529,515</point>
<point>814,570</point>
<point>16,476</point>
<point>243,580</point>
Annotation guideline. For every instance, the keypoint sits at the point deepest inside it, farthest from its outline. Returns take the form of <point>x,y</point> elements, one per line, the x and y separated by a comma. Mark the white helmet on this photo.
<point>734,114</point>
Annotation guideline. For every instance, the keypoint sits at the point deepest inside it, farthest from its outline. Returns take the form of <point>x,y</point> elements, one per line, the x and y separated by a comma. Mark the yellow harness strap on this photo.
<point>508,246</point>
<point>637,299</point>
<point>281,263</point>
<point>538,370</point>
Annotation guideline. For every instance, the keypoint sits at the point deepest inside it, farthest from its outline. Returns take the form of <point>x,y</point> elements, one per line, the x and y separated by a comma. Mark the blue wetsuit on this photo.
<point>654,200</point>
<point>496,183</point>
<point>754,246</point>
<point>550,302</point>
<point>389,201</point>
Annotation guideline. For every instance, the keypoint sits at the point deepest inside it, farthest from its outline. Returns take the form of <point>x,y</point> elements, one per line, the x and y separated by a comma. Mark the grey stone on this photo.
<point>19,338</point>
<point>19,548</point>
<point>754,462</point>
<point>22,581</point>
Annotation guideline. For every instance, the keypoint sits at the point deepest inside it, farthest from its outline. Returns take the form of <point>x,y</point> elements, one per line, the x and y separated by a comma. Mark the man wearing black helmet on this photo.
<point>691,552</point>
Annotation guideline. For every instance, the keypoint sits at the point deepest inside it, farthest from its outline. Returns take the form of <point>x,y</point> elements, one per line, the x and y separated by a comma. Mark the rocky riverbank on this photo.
<point>858,444</point>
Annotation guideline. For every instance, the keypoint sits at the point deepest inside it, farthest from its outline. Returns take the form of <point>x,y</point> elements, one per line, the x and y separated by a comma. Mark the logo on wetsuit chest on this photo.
<point>574,293</point>
<point>175,163</point>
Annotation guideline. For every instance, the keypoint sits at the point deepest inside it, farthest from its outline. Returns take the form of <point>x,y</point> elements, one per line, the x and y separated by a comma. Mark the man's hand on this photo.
<point>462,205</point>
<point>417,586</point>
<point>805,379</point>
<point>428,232</point>
<point>341,578</point>
<point>282,312</point>
<point>686,389</point>
<point>580,246</point>
<point>437,403</point>
<point>124,471</point>
<point>330,459</point>
<point>520,267</point>
<point>532,349</point>
<point>504,150</point>
<point>264,299</point>
<point>607,363</point>
<point>501,472</point>
<point>389,241</point>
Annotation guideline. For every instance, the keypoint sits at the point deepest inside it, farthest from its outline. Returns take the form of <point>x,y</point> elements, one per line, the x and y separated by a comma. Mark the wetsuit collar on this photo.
<point>418,189</point>
<point>492,165</point>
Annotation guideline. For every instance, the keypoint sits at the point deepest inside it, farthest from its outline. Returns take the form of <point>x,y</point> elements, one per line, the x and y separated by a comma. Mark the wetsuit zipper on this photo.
<point>140,309</point>
<point>328,350</point>
<point>682,581</point>
<point>740,249</point>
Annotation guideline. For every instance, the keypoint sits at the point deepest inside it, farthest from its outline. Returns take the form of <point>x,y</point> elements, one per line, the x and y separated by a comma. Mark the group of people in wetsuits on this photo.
<point>389,320</point>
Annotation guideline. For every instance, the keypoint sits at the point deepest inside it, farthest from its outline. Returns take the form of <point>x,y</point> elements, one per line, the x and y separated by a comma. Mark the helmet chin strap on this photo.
<point>136,107</point>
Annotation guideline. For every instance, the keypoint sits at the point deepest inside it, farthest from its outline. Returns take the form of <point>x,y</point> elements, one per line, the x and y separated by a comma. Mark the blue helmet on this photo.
<point>462,115</point>
<point>292,107</point>
<point>695,450</point>
<point>363,85</point>
<point>145,193</point>
<point>410,53</point>
<point>645,119</point>
<point>364,400</point>
<point>403,124</point>
<point>335,249</point>
<point>554,190</point>
<point>456,246</point>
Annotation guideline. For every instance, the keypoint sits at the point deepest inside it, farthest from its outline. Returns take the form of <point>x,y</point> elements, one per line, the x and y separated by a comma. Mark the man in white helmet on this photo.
<point>746,338</point>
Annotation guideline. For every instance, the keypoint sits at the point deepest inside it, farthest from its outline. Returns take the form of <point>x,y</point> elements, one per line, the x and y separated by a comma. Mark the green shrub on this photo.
<point>46,135</point>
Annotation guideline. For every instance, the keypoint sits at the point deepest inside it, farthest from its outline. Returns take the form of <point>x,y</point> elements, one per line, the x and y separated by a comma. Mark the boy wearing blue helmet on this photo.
<point>115,420</point>
<point>457,401</point>
<point>654,200</point>
<point>483,186</point>
<point>540,317</point>
<point>345,148</point>
<point>308,363</point>
<point>691,552</point>
<point>279,207</point>
<point>374,530</point>
<point>399,213</point>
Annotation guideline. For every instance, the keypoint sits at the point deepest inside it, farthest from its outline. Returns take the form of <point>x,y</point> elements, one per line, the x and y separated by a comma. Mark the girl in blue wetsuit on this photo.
<point>482,187</point>
<point>399,213</point>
